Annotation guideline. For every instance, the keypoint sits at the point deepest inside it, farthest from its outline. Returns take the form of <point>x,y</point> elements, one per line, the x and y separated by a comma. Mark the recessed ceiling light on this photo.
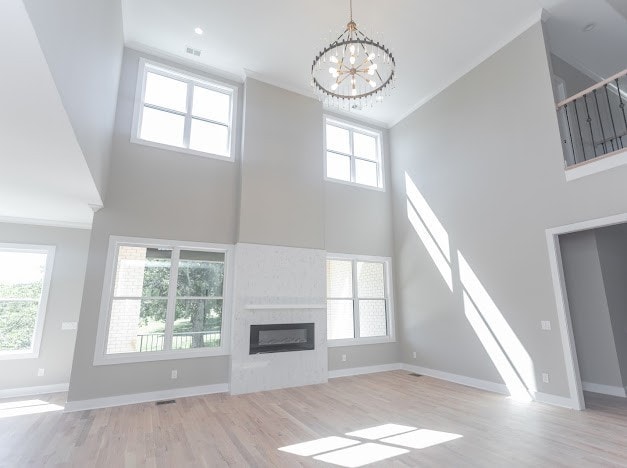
<point>198,31</point>
<point>589,27</point>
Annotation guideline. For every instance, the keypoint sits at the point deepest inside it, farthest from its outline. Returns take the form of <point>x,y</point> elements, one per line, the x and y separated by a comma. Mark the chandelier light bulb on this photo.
<point>372,56</point>
<point>334,59</point>
<point>372,83</point>
<point>352,60</point>
<point>354,92</point>
<point>334,86</point>
<point>332,70</point>
<point>352,49</point>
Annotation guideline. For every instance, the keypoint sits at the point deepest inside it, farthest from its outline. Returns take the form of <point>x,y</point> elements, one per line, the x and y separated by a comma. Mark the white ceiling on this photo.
<point>44,177</point>
<point>434,41</point>
<point>599,53</point>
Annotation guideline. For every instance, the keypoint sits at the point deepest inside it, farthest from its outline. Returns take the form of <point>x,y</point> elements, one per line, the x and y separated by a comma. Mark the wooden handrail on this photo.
<point>591,89</point>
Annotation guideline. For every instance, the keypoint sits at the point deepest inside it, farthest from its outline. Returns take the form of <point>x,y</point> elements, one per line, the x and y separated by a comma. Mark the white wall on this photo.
<point>485,155</point>
<point>64,302</point>
<point>83,44</point>
<point>590,314</point>
<point>612,247</point>
<point>152,193</point>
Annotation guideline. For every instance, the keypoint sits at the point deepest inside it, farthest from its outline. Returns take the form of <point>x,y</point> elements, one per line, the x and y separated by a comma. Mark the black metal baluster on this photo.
<point>603,142</point>
<point>583,148</point>
<point>609,108</point>
<point>570,135</point>
<point>622,106</point>
<point>589,120</point>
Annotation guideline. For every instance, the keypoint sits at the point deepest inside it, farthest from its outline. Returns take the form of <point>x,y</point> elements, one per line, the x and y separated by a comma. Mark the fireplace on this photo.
<point>281,337</point>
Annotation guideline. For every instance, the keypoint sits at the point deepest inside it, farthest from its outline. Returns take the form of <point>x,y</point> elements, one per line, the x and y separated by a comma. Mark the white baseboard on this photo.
<point>459,379</point>
<point>30,391</point>
<point>363,370</point>
<point>604,389</point>
<point>135,398</point>
<point>555,400</point>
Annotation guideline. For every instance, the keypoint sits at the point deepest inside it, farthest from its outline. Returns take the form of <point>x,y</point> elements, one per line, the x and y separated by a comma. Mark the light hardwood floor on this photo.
<point>248,430</point>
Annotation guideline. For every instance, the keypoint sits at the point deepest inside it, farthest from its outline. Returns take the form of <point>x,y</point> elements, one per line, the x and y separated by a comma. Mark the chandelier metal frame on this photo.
<point>373,50</point>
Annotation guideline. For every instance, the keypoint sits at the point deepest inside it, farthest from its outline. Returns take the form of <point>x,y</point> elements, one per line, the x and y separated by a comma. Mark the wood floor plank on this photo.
<point>248,430</point>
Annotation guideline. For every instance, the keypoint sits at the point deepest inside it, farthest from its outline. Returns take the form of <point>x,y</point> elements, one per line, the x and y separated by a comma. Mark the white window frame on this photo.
<point>49,250</point>
<point>102,358</point>
<point>352,128</point>
<point>191,80</point>
<point>389,296</point>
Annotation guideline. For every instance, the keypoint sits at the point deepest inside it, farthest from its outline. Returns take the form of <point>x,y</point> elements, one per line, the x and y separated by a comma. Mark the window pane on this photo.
<point>201,274</point>
<point>197,323</point>
<point>340,322</point>
<point>17,324</point>
<point>162,127</point>
<point>370,280</point>
<point>142,272</point>
<point>209,138</point>
<point>372,318</point>
<point>338,167</point>
<point>366,173</point>
<point>165,92</point>
<point>211,105</point>
<point>137,325</point>
<point>21,283</point>
<point>339,278</point>
<point>338,139</point>
<point>365,146</point>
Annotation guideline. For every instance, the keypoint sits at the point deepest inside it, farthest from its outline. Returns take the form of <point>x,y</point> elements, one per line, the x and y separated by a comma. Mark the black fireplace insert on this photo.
<point>281,337</point>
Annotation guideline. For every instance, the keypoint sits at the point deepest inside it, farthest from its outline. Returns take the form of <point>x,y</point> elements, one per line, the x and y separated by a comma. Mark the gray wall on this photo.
<point>153,193</point>
<point>612,247</point>
<point>282,198</point>
<point>592,326</point>
<point>486,156</point>
<point>64,302</point>
<point>574,80</point>
<point>83,43</point>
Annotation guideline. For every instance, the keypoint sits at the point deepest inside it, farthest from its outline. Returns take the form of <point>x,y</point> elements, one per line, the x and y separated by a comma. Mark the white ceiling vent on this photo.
<point>194,52</point>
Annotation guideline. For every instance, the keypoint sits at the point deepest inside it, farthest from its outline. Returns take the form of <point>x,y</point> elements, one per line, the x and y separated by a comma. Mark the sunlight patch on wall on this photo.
<point>506,339</point>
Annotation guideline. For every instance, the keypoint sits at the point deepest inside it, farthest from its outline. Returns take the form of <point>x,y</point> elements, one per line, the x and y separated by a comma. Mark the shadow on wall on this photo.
<point>500,342</point>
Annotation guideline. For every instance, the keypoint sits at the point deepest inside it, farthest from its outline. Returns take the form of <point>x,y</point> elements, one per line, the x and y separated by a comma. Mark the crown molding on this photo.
<point>45,222</point>
<point>498,45</point>
<point>182,61</point>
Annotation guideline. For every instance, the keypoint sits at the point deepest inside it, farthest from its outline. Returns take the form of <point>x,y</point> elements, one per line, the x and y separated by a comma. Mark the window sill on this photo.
<point>130,358</point>
<point>360,341</point>
<point>179,149</point>
<point>594,166</point>
<point>354,184</point>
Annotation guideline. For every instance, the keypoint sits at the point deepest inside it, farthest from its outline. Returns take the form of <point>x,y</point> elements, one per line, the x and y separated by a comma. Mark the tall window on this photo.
<point>164,300</point>
<point>353,154</point>
<point>25,272</point>
<point>181,111</point>
<point>359,306</point>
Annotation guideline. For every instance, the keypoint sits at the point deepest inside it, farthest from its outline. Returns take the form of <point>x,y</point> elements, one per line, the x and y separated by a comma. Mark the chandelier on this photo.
<point>354,70</point>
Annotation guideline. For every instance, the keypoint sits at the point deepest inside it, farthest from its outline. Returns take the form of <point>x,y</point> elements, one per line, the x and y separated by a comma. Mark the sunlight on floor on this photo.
<point>394,440</point>
<point>25,407</point>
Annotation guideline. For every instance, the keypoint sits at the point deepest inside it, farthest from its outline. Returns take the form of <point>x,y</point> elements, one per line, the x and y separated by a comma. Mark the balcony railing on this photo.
<point>593,123</point>
<point>186,340</point>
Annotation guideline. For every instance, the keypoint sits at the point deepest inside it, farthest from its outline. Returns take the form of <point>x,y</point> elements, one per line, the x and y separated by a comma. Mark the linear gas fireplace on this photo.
<point>281,337</point>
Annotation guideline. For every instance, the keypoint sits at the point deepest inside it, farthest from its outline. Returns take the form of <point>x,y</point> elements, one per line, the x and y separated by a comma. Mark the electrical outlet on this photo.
<point>343,357</point>
<point>175,374</point>
<point>545,324</point>
<point>414,354</point>
<point>41,372</point>
<point>545,377</point>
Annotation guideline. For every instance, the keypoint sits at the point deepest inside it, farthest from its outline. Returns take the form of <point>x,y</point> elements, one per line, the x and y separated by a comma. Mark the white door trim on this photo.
<point>561,300</point>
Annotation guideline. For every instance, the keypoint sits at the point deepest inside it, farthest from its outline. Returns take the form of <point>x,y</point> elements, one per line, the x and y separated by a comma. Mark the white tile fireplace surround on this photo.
<point>278,285</point>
